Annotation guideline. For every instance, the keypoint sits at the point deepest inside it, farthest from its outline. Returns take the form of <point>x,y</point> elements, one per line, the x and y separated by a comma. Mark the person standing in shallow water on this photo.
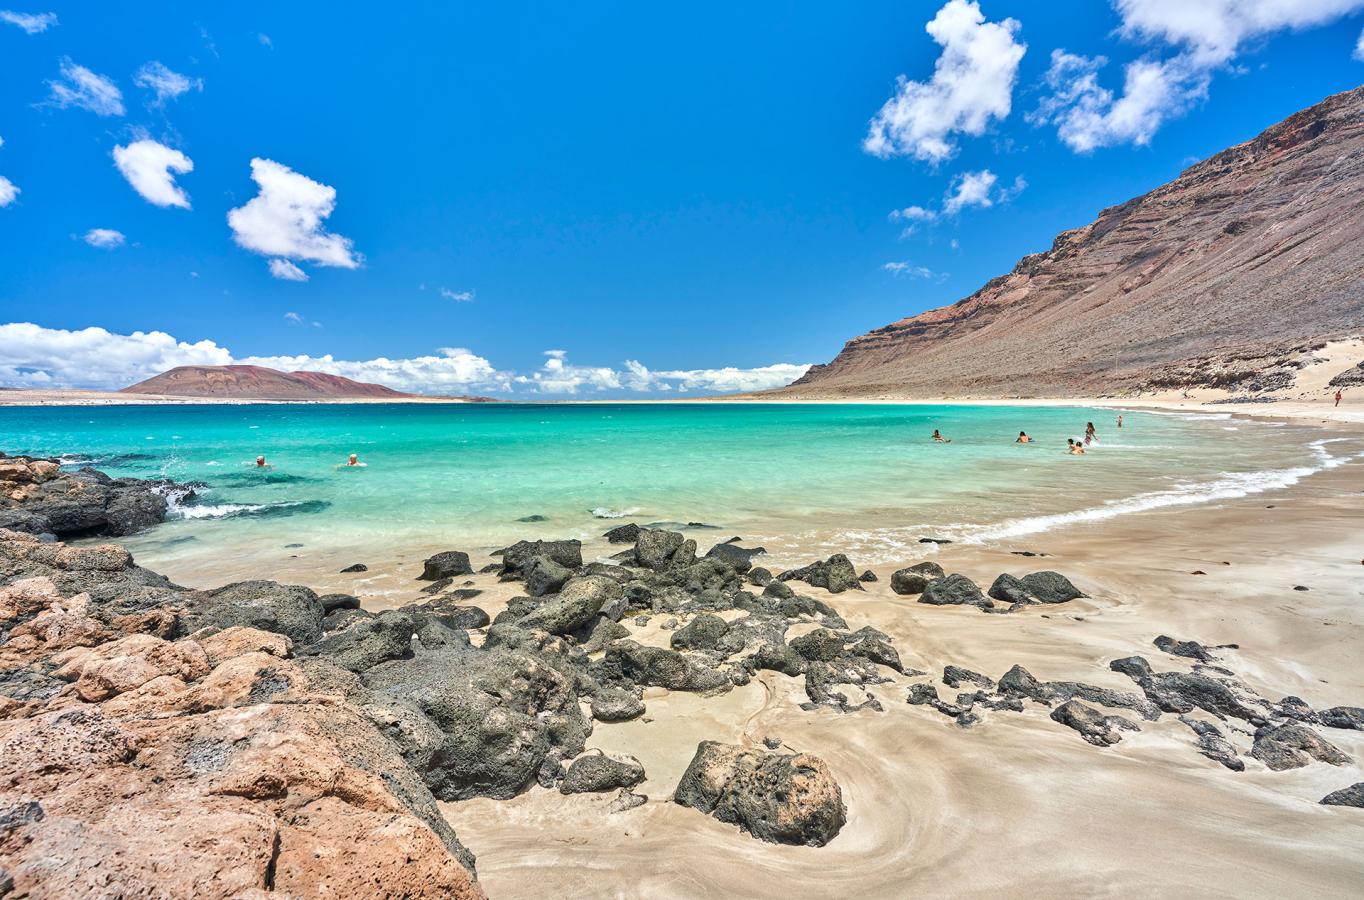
<point>1119,421</point>
<point>938,438</point>
<point>1023,438</point>
<point>1338,396</point>
<point>1076,448</point>
<point>1090,435</point>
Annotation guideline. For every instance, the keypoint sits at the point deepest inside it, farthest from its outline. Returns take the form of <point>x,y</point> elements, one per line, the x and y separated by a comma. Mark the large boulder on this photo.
<point>953,590</point>
<point>597,772</point>
<point>660,550</point>
<point>1292,747</point>
<point>1095,727</point>
<point>634,663</point>
<point>515,558</point>
<point>1050,587</point>
<point>835,574</point>
<point>501,712</point>
<point>735,557</point>
<point>544,576</point>
<point>368,642</point>
<point>781,798</point>
<point>1347,796</point>
<point>623,534</point>
<point>445,565</point>
<point>287,609</point>
<point>913,579</point>
<point>575,606</point>
<point>702,633</point>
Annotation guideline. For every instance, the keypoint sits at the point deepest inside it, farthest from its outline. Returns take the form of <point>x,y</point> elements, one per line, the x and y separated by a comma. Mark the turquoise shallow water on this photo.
<point>856,477</point>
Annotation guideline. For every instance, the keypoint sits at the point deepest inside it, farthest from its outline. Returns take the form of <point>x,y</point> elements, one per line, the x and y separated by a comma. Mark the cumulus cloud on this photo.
<point>8,191</point>
<point>1207,37</point>
<point>151,169</point>
<point>287,271</point>
<point>34,356</point>
<point>164,83</point>
<point>78,86</point>
<point>725,380</point>
<point>37,357</point>
<point>32,23</point>
<point>285,218</point>
<point>457,296</point>
<point>972,84</point>
<point>104,238</point>
<point>970,189</point>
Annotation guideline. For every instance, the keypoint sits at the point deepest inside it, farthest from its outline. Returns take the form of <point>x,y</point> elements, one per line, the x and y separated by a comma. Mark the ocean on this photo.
<point>799,479</point>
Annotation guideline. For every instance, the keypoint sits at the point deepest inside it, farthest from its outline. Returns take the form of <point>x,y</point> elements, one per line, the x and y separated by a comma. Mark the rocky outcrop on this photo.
<point>913,579</point>
<point>156,755</point>
<point>1223,277</point>
<point>38,497</point>
<point>835,574</point>
<point>782,798</point>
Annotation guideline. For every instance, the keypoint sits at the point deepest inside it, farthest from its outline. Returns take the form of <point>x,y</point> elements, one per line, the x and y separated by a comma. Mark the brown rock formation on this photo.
<point>258,383</point>
<point>214,765</point>
<point>1221,277</point>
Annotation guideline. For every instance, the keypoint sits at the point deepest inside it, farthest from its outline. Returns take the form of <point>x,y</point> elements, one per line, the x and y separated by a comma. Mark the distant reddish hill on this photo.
<point>258,383</point>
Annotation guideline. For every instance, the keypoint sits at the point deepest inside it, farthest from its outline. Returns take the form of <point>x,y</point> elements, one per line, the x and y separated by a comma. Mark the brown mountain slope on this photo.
<point>258,383</point>
<point>1218,277</point>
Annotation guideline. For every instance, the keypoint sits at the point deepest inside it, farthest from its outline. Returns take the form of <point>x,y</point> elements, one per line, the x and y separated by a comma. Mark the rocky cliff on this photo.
<point>1223,277</point>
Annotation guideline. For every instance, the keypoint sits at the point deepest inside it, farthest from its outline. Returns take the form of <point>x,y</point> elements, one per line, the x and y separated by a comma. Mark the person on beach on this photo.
<point>938,438</point>
<point>1338,396</point>
<point>1023,438</point>
<point>1076,448</point>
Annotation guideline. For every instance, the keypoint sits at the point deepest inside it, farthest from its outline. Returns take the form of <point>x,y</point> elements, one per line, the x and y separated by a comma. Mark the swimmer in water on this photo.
<point>260,463</point>
<point>1023,438</point>
<point>938,438</point>
<point>1076,448</point>
<point>353,461</point>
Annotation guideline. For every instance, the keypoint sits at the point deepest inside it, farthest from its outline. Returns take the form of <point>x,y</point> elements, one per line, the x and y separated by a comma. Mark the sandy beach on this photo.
<point>935,809</point>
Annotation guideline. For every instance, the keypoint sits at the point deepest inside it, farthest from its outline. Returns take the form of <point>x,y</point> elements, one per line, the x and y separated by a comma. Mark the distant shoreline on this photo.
<point>1318,410</point>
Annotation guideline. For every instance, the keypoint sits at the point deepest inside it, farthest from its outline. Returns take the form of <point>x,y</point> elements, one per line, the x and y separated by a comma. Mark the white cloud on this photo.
<point>1207,35</point>
<point>78,86</point>
<point>164,83</point>
<point>970,189</point>
<point>913,214</point>
<point>151,168</point>
<point>558,376</point>
<point>285,218</point>
<point>455,370</point>
<point>33,23</point>
<point>287,271</point>
<point>104,238</point>
<point>34,356</point>
<point>726,380</point>
<point>8,191</point>
<point>457,296</point>
<point>909,270</point>
<point>972,84</point>
<point>264,40</point>
<point>1359,47</point>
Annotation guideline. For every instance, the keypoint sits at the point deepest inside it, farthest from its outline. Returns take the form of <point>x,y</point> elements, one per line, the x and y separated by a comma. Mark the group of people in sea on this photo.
<point>352,460</point>
<point>1073,447</point>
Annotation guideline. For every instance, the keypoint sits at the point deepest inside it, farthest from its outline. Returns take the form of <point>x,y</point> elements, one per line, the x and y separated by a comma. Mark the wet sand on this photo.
<point>1018,804</point>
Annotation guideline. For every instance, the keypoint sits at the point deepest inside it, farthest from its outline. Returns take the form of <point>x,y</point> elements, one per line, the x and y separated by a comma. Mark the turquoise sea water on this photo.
<point>854,477</point>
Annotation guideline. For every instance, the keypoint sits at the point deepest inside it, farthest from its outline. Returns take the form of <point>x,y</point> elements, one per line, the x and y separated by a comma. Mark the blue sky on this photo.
<point>686,188</point>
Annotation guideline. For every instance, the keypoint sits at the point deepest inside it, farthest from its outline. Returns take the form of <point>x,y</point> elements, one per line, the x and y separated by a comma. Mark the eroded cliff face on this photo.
<point>1226,273</point>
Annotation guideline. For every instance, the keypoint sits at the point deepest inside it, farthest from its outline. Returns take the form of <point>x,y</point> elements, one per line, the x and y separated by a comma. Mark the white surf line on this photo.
<point>1229,486</point>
